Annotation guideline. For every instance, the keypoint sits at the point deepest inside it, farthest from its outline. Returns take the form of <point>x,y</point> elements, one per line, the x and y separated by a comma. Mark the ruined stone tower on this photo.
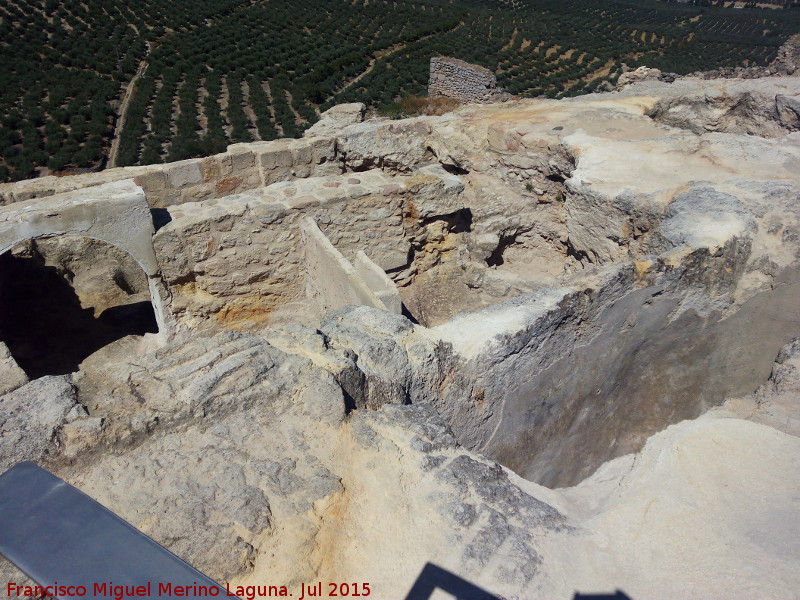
<point>453,78</point>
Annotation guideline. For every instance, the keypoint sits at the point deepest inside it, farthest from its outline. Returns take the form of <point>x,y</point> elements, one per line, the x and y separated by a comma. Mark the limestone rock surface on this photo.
<point>293,492</point>
<point>31,417</point>
<point>11,375</point>
<point>335,118</point>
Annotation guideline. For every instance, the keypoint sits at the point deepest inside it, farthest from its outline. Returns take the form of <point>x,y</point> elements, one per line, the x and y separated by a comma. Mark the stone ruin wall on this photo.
<point>453,78</point>
<point>238,259</point>
<point>786,63</point>
<point>235,258</point>
<point>228,241</point>
<point>242,167</point>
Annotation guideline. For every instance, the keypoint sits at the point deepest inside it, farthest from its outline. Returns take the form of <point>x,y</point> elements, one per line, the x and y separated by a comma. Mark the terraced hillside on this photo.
<point>194,76</point>
<point>63,69</point>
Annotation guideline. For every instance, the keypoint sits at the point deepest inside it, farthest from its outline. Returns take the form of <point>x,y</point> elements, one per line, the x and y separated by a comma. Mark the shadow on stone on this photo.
<point>45,327</point>
<point>160,217</point>
<point>432,578</point>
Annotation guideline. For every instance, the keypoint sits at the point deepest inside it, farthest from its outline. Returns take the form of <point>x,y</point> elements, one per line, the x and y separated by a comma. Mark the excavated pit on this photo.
<point>621,354</point>
<point>62,299</point>
<point>553,394</point>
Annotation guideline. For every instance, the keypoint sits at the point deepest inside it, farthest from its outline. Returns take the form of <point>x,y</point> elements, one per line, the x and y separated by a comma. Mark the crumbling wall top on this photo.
<point>462,64</point>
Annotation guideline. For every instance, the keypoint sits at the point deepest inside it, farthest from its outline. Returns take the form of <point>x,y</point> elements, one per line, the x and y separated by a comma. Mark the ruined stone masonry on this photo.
<point>549,346</point>
<point>453,78</point>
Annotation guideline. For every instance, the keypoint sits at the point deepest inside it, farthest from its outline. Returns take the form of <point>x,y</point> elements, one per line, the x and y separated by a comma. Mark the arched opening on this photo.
<point>63,298</point>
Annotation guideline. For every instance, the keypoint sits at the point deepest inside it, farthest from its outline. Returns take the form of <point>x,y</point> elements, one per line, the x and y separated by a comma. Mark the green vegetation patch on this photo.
<point>207,73</point>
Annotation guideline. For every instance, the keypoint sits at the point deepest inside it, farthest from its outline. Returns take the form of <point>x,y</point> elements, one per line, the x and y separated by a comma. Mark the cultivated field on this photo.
<point>192,77</point>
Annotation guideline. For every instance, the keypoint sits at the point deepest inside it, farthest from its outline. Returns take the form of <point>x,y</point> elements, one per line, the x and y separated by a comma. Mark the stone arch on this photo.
<point>115,213</point>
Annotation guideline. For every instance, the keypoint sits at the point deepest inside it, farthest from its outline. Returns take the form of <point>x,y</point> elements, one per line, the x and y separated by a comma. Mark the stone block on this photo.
<point>301,153</point>
<point>183,173</point>
<point>521,162</point>
<point>242,160</point>
<point>533,142</point>
<point>210,168</point>
<point>277,174</point>
<point>323,149</point>
<point>301,202</point>
<point>196,193</point>
<point>272,212</point>
<point>276,157</point>
<point>302,171</point>
<point>336,118</point>
<point>331,280</point>
<point>379,282</point>
<point>393,258</point>
<point>11,375</point>
<point>226,185</point>
<point>462,81</point>
<point>327,169</point>
<point>155,181</point>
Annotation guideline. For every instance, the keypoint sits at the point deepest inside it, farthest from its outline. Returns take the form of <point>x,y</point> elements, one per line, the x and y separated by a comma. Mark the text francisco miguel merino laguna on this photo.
<point>171,590</point>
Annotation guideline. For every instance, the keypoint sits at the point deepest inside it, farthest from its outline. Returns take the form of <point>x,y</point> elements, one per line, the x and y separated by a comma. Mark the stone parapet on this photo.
<point>242,167</point>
